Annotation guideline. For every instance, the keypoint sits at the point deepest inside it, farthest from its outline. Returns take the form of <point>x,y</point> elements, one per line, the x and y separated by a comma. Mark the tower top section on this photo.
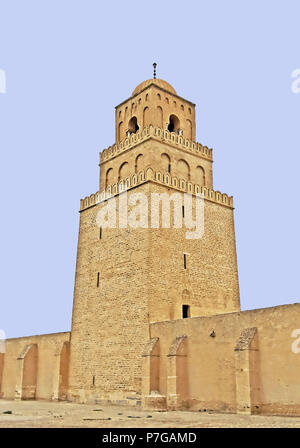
<point>155,102</point>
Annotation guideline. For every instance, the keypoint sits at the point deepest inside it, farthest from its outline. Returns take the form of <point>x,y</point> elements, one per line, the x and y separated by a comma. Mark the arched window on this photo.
<point>121,131</point>
<point>133,126</point>
<point>158,96</point>
<point>139,163</point>
<point>159,117</point>
<point>189,133</point>
<point>146,116</point>
<point>123,171</point>
<point>174,123</point>
<point>200,176</point>
<point>109,177</point>
<point>165,163</point>
<point>183,170</point>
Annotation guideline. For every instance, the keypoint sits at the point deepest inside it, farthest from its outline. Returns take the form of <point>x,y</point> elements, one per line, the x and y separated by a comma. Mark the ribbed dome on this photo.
<point>159,82</point>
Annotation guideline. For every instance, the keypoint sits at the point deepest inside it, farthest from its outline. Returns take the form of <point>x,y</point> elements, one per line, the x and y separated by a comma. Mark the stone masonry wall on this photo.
<point>31,366</point>
<point>226,372</point>
<point>141,279</point>
<point>110,321</point>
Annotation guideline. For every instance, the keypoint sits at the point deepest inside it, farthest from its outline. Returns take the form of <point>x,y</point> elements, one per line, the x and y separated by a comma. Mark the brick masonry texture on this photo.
<point>129,342</point>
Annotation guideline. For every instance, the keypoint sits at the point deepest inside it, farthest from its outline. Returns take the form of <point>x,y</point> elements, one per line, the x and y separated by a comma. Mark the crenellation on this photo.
<point>159,134</point>
<point>150,175</point>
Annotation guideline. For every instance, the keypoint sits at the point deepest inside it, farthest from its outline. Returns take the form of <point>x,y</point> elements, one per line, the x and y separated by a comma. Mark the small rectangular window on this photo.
<point>185,311</point>
<point>98,279</point>
<point>184,261</point>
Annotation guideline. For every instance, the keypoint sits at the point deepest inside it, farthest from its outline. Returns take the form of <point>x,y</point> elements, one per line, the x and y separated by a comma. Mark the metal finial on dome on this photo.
<point>154,71</point>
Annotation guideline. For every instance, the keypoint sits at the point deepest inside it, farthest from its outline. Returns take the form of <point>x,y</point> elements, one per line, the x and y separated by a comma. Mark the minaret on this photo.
<point>127,278</point>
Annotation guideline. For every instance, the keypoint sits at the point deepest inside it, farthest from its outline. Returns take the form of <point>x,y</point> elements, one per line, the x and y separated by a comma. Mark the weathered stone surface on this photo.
<point>129,343</point>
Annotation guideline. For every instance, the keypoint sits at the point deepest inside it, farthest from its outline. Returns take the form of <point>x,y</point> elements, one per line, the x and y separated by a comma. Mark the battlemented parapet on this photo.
<point>150,175</point>
<point>148,132</point>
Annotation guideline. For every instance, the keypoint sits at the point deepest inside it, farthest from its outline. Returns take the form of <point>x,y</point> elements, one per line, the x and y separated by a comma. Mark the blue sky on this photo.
<point>67,64</point>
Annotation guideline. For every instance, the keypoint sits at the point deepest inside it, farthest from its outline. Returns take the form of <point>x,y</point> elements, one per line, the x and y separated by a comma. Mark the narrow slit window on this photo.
<point>183,211</point>
<point>169,168</point>
<point>185,311</point>
<point>93,380</point>
<point>100,233</point>
<point>184,261</point>
<point>98,279</point>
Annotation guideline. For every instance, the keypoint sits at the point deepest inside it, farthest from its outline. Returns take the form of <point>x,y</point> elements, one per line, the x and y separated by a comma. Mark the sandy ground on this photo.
<point>42,414</point>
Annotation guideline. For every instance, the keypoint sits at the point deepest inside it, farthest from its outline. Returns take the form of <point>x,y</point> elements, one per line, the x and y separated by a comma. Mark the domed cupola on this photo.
<point>158,82</point>
<point>155,102</point>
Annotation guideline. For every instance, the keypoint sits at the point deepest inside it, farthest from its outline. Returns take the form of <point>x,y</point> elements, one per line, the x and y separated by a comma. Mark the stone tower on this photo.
<point>128,278</point>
